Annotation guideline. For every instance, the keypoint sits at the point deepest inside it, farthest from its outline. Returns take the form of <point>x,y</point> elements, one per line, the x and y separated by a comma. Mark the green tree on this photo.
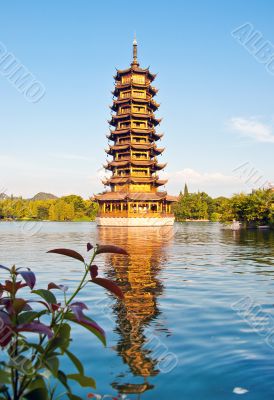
<point>193,206</point>
<point>186,193</point>
<point>42,212</point>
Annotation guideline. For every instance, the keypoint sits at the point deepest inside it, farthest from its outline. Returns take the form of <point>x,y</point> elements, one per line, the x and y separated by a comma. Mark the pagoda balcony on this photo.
<point>130,111</point>
<point>152,103</point>
<point>130,83</point>
<point>129,140</point>
<point>133,97</point>
<point>127,157</point>
<point>134,176</point>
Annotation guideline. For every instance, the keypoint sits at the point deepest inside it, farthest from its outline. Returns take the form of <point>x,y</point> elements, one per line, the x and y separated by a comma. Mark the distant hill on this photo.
<point>44,196</point>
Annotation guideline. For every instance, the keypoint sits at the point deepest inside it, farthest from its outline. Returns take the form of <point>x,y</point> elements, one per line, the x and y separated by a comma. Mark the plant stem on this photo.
<point>83,279</point>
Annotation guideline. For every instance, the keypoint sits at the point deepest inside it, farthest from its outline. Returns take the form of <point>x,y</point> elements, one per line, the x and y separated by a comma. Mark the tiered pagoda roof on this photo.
<point>154,151</point>
<point>152,135</point>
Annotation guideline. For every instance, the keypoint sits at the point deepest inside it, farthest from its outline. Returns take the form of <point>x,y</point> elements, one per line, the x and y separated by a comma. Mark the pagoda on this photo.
<point>134,198</point>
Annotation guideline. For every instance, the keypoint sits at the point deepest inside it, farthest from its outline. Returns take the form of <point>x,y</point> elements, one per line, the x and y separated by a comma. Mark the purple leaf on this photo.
<point>88,324</point>
<point>15,306</point>
<point>68,253</point>
<point>29,278</point>
<point>109,285</point>
<point>53,285</point>
<point>4,319</point>
<point>36,327</point>
<point>79,304</point>
<point>105,248</point>
<point>89,246</point>
<point>41,302</point>
<point>77,309</point>
<point>6,331</point>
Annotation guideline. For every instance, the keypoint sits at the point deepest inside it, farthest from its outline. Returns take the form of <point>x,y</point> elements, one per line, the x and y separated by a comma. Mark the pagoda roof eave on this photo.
<point>130,179</point>
<point>135,196</point>
<point>121,72</point>
<point>114,118</point>
<point>172,199</point>
<point>151,89</point>
<point>137,100</point>
<point>135,146</point>
<point>158,167</point>
<point>144,163</point>
<point>161,182</point>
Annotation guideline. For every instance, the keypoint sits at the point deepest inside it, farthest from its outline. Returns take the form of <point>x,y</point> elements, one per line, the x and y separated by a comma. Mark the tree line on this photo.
<point>66,208</point>
<point>255,208</point>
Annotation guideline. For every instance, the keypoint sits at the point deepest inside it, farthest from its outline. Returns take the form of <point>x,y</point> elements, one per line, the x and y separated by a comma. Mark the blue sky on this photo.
<point>216,95</point>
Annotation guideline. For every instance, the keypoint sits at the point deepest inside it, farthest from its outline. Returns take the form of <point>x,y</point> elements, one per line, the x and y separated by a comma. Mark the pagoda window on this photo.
<point>123,140</point>
<point>125,94</point>
<point>139,172</point>
<point>139,156</point>
<point>140,187</point>
<point>138,78</point>
<point>139,93</point>
<point>138,139</point>
<point>116,207</point>
<point>154,207</point>
<point>126,79</point>
<point>123,125</point>
<point>122,156</point>
<point>107,207</point>
<point>139,109</point>
<point>124,110</point>
<point>121,172</point>
<point>139,124</point>
<point>120,188</point>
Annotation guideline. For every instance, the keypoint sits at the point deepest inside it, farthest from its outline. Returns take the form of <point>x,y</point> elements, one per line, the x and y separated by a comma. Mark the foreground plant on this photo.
<point>31,363</point>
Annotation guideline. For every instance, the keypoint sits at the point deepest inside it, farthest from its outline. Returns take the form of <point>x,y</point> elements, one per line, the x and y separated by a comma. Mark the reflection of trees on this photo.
<point>258,245</point>
<point>137,275</point>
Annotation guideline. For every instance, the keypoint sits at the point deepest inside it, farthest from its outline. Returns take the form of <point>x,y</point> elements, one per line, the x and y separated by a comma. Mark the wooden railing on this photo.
<point>128,214</point>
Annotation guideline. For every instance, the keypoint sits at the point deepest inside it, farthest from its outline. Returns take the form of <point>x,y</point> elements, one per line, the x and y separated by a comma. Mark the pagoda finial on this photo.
<point>135,61</point>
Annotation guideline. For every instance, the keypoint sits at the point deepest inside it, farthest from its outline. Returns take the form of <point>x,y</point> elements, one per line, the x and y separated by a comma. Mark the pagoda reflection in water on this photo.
<point>138,277</point>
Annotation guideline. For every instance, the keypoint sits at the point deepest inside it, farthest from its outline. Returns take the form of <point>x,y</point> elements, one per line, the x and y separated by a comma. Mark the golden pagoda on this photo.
<point>133,198</point>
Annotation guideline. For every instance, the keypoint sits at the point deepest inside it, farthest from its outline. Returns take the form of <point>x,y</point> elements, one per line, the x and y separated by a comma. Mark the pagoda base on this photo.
<point>136,221</point>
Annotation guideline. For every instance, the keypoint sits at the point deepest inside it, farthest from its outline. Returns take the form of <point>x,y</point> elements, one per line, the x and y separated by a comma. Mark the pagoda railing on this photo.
<point>130,214</point>
<point>135,175</point>
<point>133,96</point>
<point>131,141</point>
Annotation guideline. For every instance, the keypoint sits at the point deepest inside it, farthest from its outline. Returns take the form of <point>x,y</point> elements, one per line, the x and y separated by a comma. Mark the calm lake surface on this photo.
<point>187,328</point>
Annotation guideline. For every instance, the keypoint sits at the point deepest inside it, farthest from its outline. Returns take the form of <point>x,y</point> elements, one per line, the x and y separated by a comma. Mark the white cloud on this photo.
<point>196,177</point>
<point>252,128</point>
<point>214,183</point>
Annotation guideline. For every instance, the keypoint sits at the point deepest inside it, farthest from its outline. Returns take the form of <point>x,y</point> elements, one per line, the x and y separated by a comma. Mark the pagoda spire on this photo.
<point>135,61</point>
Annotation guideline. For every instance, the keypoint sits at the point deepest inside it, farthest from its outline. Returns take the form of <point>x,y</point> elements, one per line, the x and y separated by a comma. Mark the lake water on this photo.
<point>198,317</point>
